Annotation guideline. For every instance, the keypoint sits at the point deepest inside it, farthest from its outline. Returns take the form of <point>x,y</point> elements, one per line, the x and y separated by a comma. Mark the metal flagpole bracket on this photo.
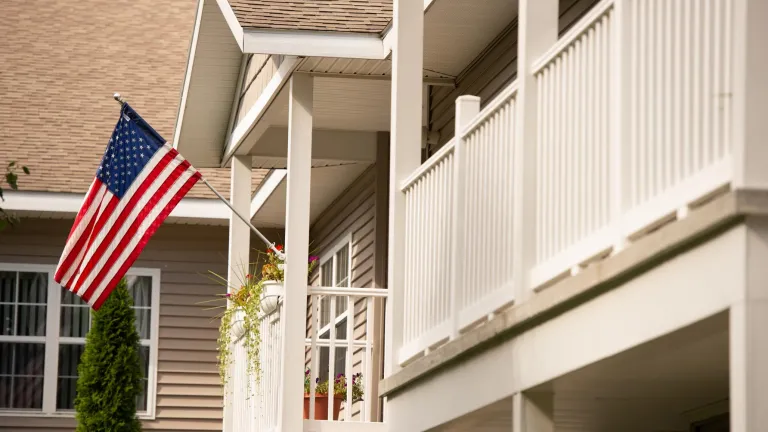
<point>270,244</point>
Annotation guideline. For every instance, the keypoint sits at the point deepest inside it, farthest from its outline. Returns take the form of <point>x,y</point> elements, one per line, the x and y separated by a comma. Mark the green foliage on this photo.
<point>11,178</point>
<point>110,377</point>
<point>339,386</point>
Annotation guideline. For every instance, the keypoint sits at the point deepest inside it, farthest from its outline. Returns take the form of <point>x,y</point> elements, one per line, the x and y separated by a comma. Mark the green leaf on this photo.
<point>1,195</point>
<point>12,164</point>
<point>11,179</point>
<point>26,170</point>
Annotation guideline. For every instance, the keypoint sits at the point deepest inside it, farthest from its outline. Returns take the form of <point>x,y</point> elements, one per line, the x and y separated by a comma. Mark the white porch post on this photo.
<point>750,94</point>
<point>537,32</point>
<point>533,412</point>
<point>405,156</point>
<point>239,245</point>
<point>294,316</point>
<point>748,338</point>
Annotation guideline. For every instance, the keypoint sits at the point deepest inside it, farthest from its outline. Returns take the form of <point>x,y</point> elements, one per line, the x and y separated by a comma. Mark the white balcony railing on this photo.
<point>633,110</point>
<point>255,402</point>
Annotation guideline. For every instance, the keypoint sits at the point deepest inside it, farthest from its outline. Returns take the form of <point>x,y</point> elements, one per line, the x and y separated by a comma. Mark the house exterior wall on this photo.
<point>352,216</point>
<point>188,391</point>
<point>491,71</point>
<point>259,70</point>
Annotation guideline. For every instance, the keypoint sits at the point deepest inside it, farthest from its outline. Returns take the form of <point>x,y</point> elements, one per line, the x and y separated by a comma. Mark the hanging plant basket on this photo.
<point>272,292</point>
<point>238,323</point>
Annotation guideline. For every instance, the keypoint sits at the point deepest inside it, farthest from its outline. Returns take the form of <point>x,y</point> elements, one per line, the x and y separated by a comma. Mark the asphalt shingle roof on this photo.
<point>352,16</point>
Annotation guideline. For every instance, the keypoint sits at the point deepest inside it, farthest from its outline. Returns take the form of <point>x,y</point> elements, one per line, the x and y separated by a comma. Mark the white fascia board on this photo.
<point>257,111</point>
<point>188,73</point>
<point>314,44</point>
<point>266,188</point>
<point>234,25</point>
<point>69,203</point>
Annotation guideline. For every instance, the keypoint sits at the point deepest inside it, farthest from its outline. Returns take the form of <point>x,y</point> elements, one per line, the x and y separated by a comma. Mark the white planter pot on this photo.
<point>271,293</point>
<point>238,323</point>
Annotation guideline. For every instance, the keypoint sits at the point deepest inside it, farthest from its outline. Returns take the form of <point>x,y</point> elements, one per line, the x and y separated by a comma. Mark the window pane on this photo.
<point>141,401</point>
<point>31,321</point>
<point>33,288</point>
<point>7,287</point>
<point>21,375</point>
<point>141,290</point>
<point>325,311</point>
<point>7,319</point>
<point>75,321</point>
<point>342,267</point>
<point>143,318</point>
<point>327,274</point>
<point>69,358</point>
<point>70,298</point>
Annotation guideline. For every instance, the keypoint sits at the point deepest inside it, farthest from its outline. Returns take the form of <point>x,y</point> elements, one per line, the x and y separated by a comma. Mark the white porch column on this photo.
<point>405,156</point>
<point>750,93</point>
<point>749,338</point>
<point>533,412</point>
<point>537,32</point>
<point>294,315</point>
<point>239,244</point>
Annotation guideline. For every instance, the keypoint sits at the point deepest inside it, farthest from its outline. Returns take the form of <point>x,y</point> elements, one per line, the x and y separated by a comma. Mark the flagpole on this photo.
<point>271,245</point>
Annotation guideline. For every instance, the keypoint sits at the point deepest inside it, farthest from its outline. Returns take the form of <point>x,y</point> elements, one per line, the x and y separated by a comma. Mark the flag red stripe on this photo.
<point>111,260</point>
<point>73,253</point>
<point>119,222</point>
<point>145,239</point>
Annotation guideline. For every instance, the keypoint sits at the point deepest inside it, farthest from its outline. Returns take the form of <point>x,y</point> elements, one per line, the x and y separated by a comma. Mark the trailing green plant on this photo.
<point>245,298</point>
<point>109,374</point>
<point>339,386</point>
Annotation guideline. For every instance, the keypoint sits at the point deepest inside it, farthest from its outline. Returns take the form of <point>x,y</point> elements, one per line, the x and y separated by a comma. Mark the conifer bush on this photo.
<point>110,377</point>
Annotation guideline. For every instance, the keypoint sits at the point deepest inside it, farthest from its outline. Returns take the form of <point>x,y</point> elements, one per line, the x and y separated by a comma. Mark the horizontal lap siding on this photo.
<point>188,392</point>
<point>353,212</point>
<point>491,71</point>
<point>259,71</point>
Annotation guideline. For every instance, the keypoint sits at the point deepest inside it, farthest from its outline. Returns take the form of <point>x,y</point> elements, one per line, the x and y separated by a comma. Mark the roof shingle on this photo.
<point>351,16</point>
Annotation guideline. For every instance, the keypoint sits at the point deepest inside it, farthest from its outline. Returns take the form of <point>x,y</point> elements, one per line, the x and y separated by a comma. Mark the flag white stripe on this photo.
<point>169,194</point>
<point>151,190</point>
<point>119,208</point>
<point>91,214</point>
<point>83,222</point>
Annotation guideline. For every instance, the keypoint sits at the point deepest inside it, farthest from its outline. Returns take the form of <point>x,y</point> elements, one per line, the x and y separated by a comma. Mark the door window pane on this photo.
<point>22,367</point>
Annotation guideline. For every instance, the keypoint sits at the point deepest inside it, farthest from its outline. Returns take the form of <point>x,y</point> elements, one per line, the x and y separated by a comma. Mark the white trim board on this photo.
<point>188,74</point>
<point>266,189</point>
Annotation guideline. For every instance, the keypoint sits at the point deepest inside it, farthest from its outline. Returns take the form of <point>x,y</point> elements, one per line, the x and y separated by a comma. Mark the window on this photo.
<point>43,336</point>
<point>335,271</point>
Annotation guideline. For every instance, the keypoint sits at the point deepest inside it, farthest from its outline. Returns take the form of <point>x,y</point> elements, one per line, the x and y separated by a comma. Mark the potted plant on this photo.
<point>273,277</point>
<point>339,394</point>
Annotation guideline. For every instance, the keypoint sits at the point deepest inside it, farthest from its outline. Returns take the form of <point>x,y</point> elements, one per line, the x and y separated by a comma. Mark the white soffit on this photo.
<point>209,88</point>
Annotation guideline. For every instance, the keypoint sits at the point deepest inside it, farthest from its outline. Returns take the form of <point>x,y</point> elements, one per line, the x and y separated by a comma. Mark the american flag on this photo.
<point>138,183</point>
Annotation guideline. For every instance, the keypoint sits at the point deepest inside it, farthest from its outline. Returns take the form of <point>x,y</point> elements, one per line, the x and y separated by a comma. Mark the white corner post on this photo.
<point>533,412</point>
<point>749,95</point>
<point>405,157</point>
<point>467,108</point>
<point>239,248</point>
<point>748,337</point>
<point>537,31</point>
<point>294,315</point>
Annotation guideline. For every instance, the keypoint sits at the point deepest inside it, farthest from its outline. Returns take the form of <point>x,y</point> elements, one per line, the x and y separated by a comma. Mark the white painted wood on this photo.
<point>314,44</point>
<point>537,32</point>
<point>747,92</point>
<point>51,368</point>
<point>234,25</point>
<point>533,412</point>
<point>297,249</point>
<point>407,65</point>
<point>188,73</point>
<point>266,188</point>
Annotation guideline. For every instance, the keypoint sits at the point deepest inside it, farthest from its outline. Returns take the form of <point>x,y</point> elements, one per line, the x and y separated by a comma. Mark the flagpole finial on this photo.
<point>119,98</point>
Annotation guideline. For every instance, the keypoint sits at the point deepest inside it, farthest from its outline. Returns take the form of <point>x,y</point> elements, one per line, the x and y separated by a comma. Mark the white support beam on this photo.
<point>405,157</point>
<point>749,339</point>
<point>297,249</point>
<point>314,44</point>
<point>537,31</point>
<point>533,412</point>
<point>749,97</point>
<point>348,146</point>
<point>239,246</point>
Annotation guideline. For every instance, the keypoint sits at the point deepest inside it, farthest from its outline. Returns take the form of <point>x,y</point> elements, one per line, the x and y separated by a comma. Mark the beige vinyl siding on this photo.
<point>188,392</point>
<point>490,72</point>
<point>259,70</point>
<point>353,215</point>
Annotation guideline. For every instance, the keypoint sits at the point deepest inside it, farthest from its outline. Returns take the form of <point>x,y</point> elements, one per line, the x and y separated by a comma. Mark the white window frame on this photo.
<point>52,341</point>
<point>331,255</point>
